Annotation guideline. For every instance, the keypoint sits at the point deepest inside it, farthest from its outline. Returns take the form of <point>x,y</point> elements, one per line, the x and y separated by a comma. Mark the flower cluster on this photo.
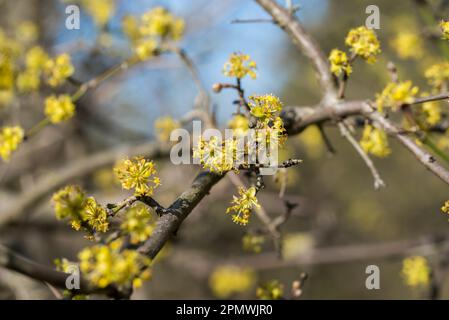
<point>164,126</point>
<point>58,69</point>
<point>59,108</point>
<point>364,43</point>
<point>272,290</point>
<point>395,95</point>
<point>239,124</point>
<point>100,10</point>
<point>138,223</point>
<point>444,26</point>
<point>445,207</point>
<point>228,280</point>
<point>243,204</point>
<point>84,212</point>
<point>374,141</point>
<point>415,271</point>
<point>104,265</point>
<point>437,75</point>
<point>239,66</point>
<point>151,30</point>
<point>253,242</point>
<point>428,114</point>
<point>10,139</point>
<point>216,155</point>
<point>339,63</point>
<point>138,174</point>
<point>408,44</point>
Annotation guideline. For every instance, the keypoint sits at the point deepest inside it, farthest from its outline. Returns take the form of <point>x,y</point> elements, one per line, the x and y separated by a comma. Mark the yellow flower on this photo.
<point>6,73</point>
<point>10,139</point>
<point>100,10</point>
<point>130,27</point>
<point>216,155</point>
<point>105,265</point>
<point>69,202</point>
<point>95,215</point>
<point>396,95</point>
<point>145,49</point>
<point>36,58</point>
<point>408,44</point>
<point>239,124</point>
<point>437,75</point>
<point>266,107</point>
<point>228,280</point>
<point>415,271</point>
<point>27,81</point>
<point>59,108</point>
<point>375,141</point>
<point>445,207</point>
<point>138,223</point>
<point>58,69</point>
<point>253,242</point>
<point>339,63</point>
<point>243,204</point>
<point>160,22</point>
<point>272,290</point>
<point>428,114</point>
<point>164,126</point>
<point>364,43</point>
<point>444,26</point>
<point>239,65</point>
<point>138,174</point>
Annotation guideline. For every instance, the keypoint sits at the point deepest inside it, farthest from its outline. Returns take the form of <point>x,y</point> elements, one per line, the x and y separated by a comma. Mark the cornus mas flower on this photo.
<point>437,75</point>
<point>428,114</point>
<point>228,280</point>
<point>363,42</point>
<point>138,223</point>
<point>444,26</point>
<point>10,139</point>
<point>145,48</point>
<point>27,32</point>
<point>36,58</point>
<point>253,243</point>
<point>239,66</point>
<point>239,124</point>
<point>71,202</point>
<point>395,95</point>
<point>375,141</point>
<point>415,271</point>
<point>243,204</point>
<point>408,44</point>
<point>339,63</point>
<point>216,155</point>
<point>59,108</point>
<point>161,23</point>
<point>445,207</point>
<point>266,107</point>
<point>272,290</point>
<point>28,80</point>
<point>57,70</point>
<point>100,10</point>
<point>104,265</point>
<point>164,126</point>
<point>138,174</point>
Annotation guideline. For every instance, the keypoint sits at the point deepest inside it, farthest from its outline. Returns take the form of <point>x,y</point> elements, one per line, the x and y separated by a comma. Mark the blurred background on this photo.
<point>338,205</point>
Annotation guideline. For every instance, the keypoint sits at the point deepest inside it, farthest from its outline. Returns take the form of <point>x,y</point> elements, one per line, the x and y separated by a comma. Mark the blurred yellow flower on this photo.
<point>59,108</point>
<point>395,95</point>
<point>138,223</point>
<point>58,69</point>
<point>10,139</point>
<point>164,126</point>
<point>408,44</point>
<point>161,23</point>
<point>226,281</point>
<point>272,290</point>
<point>415,271</point>
<point>375,141</point>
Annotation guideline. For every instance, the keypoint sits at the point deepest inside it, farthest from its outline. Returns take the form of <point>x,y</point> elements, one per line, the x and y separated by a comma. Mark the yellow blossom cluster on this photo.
<point>444,26</point>
<point>59,108</point>
<point>445,207</point>
<point>364,43</point>
<point>217,155</point>
<point>84,212</point>
<point>395,95</point>
<point>374,141</point>
<point>100,10</point>
<point>428,114</point>
<point>240,65</point>
<point>340,64</point>
<point>138,223</point>
<point>104,265</point>
<point>164,126</point>
<point>154,27</point>
<point>229,280</point>
<point>408,44</point>
<point>243,204</point>
<point>437,75</point>
<point>253,242</point>
<point>10,139</point>
<point>58,69</point>
<point>272,290</point>
<point>415,271</point>
<point>138,174</point>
